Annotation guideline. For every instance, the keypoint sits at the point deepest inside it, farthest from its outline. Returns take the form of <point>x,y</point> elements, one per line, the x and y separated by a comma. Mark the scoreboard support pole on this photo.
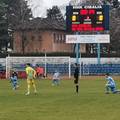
<point>78,56</point>
<point>98,53</point>
<point>77,52</point>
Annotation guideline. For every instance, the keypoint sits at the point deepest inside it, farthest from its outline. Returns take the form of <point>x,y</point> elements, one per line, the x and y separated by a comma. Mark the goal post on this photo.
<point>50,64</point>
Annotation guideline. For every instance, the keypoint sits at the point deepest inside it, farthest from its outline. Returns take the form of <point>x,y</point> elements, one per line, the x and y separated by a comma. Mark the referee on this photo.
<point>76,76</point>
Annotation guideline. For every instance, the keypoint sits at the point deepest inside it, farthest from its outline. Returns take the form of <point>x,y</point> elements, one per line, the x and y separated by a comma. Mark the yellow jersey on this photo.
<point>31,73</point>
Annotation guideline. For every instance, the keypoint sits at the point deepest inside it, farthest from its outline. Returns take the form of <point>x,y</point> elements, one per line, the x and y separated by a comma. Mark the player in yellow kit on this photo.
<point>31,74</point>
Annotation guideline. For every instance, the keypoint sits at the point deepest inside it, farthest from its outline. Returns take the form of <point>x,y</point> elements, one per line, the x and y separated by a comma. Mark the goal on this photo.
<point>50,64</point>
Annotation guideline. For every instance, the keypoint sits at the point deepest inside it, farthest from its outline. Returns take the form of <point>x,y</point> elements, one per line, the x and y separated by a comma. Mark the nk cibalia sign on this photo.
<point>87,18</point>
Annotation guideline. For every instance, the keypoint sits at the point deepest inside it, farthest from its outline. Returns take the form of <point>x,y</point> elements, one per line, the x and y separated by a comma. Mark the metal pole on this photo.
<point>45,65</point>
<point>80,60</point>
<point>108,53</point>
<point>98,52</point>
<point>77,53</point>
<point>6,67</point>
<point>69,68</point>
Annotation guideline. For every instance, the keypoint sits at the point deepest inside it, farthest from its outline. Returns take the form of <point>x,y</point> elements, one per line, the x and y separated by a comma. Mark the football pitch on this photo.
<point>60,102</point>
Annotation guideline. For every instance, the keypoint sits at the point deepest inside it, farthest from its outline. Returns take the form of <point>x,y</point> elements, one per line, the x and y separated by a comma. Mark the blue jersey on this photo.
<point>56,76</point>
<point>13,79</point>
<point>110,81</point>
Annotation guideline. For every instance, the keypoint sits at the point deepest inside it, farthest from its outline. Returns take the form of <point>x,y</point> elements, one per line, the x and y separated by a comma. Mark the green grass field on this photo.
<point>60,102</point>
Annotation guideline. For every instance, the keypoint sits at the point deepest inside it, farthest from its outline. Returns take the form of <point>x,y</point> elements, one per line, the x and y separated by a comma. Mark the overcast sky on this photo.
<point>39,6</point>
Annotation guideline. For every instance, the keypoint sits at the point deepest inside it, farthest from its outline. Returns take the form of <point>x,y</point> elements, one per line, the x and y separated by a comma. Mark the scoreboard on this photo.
<point>87,18</point>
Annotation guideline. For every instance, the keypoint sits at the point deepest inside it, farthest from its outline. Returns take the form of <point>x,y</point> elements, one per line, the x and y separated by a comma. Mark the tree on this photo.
<point>4,37</point>
<point>115,30</point>
<point>55,14</point>
<point>115,3</point>
<point>12,14</point>
<point>18,14</point>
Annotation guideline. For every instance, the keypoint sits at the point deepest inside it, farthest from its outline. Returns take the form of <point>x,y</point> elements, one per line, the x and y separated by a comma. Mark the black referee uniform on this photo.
<point>76,76</point>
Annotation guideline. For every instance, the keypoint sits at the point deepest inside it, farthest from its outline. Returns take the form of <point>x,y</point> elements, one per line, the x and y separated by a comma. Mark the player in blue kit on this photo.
<point>110,85</point>
<point>56,78</point>
<point>14,80</point>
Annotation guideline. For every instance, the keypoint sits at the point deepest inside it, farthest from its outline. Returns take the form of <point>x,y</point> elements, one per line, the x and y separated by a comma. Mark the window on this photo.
<point>64,38</point>
<point>59,38</point>
<point>39,38</point>
<point>24,37</point>
<point>33,38</point>
<point>54,37</point>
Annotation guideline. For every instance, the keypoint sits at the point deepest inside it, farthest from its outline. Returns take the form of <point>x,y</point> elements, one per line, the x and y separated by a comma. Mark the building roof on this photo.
<point>42,24</point>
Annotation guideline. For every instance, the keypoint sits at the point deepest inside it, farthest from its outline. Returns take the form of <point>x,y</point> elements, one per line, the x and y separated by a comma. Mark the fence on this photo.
<point>63,64</point>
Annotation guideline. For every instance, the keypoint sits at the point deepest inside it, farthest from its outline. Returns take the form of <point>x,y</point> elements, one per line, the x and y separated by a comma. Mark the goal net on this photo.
<point>49,64</point>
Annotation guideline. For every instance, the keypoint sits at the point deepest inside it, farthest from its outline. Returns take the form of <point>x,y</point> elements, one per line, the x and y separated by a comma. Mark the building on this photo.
<point>42,35</point>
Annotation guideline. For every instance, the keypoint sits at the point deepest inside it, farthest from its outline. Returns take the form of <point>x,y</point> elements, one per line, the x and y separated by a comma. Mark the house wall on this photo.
<point>41,41</point>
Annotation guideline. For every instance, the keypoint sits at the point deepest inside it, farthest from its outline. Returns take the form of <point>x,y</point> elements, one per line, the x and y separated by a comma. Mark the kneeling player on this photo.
<point>56,78</point>
<point>14,80</point>
<point>110,85</point>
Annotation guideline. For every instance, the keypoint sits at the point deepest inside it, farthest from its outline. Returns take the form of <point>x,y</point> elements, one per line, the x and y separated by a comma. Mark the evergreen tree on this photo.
<point>18,14</point>
<point>55,14</point>
<point>12,14</point>
<point>4,36</point>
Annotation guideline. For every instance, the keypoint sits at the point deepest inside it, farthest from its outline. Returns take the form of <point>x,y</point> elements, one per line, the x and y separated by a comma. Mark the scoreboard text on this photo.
<point>87,18</point>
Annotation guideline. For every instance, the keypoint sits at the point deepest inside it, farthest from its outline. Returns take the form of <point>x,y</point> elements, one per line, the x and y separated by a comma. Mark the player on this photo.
<point>31,74</point>
<point>56,78</point>
<point>14,80</point>
<point>76,76</point>
<point>110,85</point>
<point>39,72</point>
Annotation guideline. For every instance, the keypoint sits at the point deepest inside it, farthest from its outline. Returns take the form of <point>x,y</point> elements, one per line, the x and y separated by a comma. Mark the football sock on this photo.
<point>77,88</point>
